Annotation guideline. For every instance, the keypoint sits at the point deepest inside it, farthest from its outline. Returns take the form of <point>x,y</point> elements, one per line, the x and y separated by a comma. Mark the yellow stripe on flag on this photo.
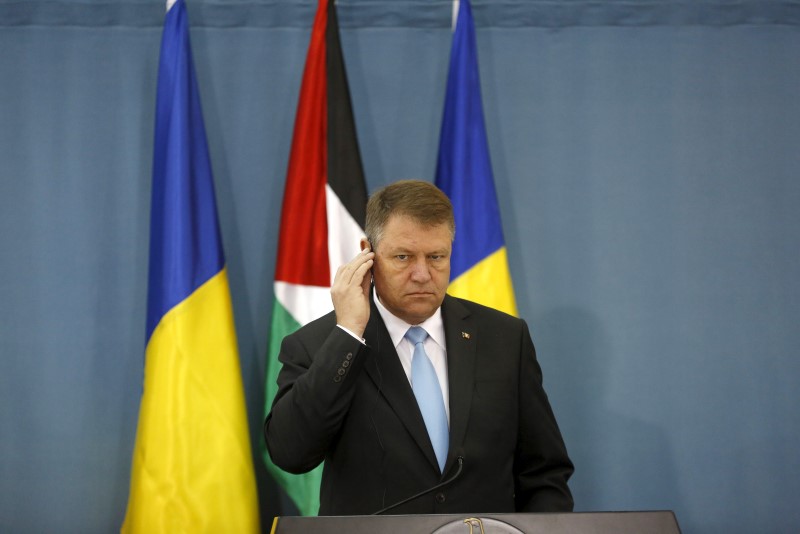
<point>192,466</point>
<point>487,283</point>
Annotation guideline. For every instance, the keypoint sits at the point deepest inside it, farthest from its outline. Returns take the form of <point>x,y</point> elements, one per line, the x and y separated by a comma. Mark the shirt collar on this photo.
<point>397,327</point>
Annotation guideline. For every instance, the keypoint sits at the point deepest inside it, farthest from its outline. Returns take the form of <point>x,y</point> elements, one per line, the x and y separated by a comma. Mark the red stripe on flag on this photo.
<point>303,240</point>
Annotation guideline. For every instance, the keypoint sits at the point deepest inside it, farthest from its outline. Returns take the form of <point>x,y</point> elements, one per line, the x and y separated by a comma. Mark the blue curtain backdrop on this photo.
<point>647,162</point>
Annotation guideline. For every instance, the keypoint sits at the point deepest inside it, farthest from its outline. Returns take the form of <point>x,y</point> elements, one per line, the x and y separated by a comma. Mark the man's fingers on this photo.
<point>362,262</point>
<point>362,271</point>
<point>349,292</point>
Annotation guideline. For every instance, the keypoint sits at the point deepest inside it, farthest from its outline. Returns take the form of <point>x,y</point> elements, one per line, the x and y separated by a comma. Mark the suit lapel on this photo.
<point>461,338</point>
<point>387,372</point>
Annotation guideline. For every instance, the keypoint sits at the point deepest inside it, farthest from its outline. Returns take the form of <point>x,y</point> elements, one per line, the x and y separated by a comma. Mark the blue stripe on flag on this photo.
<point>464,170</point>
<point>185,243</point>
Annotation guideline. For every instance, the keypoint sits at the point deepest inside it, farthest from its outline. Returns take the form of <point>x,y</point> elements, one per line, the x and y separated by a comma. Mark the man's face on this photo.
<point>412,268</point>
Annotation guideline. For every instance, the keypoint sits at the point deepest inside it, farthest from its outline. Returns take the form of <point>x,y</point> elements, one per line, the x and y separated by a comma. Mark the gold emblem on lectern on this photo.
<point>477,525</point>
<point>474,521</point>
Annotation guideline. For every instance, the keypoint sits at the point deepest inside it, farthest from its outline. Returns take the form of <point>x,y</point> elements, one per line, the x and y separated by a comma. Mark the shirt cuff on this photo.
<point>361,339</point>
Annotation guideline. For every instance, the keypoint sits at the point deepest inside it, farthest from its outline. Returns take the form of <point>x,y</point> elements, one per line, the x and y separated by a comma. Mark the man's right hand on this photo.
<point>350,292</point>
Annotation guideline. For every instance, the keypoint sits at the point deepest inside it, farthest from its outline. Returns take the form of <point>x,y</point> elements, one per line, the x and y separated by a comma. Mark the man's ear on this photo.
<point>365,244</point>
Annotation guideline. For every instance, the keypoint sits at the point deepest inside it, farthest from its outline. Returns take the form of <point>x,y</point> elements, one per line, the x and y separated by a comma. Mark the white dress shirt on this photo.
<point>434,345</point>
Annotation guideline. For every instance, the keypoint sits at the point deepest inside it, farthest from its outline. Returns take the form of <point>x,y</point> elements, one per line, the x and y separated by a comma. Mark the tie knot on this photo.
<point>416,334</point>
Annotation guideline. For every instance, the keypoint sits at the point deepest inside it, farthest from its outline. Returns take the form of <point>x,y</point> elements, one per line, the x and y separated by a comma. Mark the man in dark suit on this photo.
<point>351,386</point>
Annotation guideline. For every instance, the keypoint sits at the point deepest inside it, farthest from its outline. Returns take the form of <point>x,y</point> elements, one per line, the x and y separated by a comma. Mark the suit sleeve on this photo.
<point>316,385</point>
<point>541,466</point>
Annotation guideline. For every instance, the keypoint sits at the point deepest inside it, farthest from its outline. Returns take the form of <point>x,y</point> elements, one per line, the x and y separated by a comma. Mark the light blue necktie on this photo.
<point>429,395</point>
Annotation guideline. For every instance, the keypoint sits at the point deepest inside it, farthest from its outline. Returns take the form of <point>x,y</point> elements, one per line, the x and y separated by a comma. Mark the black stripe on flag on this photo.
<point>345,172</point>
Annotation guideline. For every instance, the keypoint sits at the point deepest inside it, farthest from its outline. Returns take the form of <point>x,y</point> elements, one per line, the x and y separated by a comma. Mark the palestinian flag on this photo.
<point>324,205</point>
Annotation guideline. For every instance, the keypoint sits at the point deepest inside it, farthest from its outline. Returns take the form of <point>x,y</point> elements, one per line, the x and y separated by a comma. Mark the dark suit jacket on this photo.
<point>352,406</point>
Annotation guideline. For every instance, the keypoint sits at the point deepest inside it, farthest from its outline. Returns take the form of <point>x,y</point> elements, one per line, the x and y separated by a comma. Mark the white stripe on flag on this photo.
<point>304,303</point>
<point>344,233</point>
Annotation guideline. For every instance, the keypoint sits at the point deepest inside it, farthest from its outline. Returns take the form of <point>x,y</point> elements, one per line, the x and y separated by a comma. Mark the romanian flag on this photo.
<point>479,266</point>
<point>192,464</point>
<point>324,209</point>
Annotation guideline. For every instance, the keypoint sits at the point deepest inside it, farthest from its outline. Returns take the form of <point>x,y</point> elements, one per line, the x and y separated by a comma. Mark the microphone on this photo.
<point>442,484</point>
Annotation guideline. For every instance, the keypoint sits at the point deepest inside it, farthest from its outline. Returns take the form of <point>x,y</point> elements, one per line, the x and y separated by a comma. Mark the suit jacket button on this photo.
<point>345,364</point>
<point>341,372</point>
<point>337,378</point>
<point>349,356</point>
<point>440,498</point>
